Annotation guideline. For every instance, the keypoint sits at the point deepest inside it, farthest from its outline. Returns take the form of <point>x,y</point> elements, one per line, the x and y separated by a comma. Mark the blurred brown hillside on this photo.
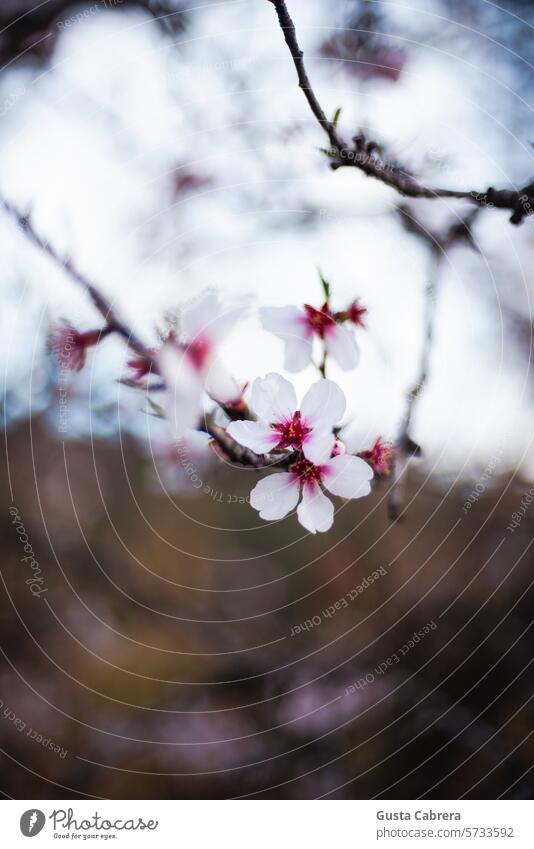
<point>161,657</point>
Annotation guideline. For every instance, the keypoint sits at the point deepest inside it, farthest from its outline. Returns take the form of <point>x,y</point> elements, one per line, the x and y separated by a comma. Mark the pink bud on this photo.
<point>379,457</point>
<point>69,345</point>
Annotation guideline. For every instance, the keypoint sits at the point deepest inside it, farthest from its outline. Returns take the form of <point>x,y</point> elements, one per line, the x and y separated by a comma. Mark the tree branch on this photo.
<point>228,449</point>
<point>113,322</point>
<point>226,446</point>
<point>366,156</point>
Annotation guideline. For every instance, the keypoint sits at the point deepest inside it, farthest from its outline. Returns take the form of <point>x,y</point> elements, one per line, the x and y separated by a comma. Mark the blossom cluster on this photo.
<point>301,442</point>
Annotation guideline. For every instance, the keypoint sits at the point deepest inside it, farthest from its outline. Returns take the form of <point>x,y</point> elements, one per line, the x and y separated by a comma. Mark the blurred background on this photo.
<point>168,652</point>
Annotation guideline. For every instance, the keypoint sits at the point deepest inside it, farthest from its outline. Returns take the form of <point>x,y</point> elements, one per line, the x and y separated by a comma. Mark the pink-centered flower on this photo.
<point>310,431</point>
<point>282,426</point>
<point>297,327</point>
<point>344,475</point>
<point>190,365</point>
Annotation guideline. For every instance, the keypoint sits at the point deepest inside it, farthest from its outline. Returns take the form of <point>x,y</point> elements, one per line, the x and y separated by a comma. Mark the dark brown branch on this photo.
<point>365,155</point>
<point>290,35</point>
<point>230,450</point>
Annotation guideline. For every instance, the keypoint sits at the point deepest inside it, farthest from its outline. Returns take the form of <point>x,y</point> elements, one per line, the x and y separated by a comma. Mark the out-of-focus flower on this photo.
<point>141,366</point>
<point>69,346</point>
<point>282,426</point>
<point>368,59</point>
<point>183,395</point>
<point>186,180</point>
<point>182,465</point>
<point>354,313</point>
<point>276,495</point>
<point>379,457</point>
<point>298,326</point>
<point>189,364</point>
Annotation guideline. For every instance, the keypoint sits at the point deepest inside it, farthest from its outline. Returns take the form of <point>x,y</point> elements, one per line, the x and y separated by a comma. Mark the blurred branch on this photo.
<point>405,448</point>
<point>366,155</point>
<point>113,322</point>
<point>227,447</point>
<point>29,27</point>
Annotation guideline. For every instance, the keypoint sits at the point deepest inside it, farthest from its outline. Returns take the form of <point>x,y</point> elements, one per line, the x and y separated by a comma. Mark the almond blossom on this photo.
<point>297,328</point>
<point>281,425</point>
<point>344,475</point>
<point>190,365</point>
<point>320,460</point>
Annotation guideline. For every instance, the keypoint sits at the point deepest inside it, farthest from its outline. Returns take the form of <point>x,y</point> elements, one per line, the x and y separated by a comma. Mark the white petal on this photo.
<point>290,325</point>
<point>315,511</point>
<point>285,322</point>
<point>220,384</point>
<point>197,443</point>
<point>183,397</point>
<point>341,344</point>
<point>273,398</point>
<point>298,354</point>
<point>318,445</point>
<point>347,476</point>
<point>275,496</point>
<point>257,436</point>
<point>207,317</point>
<point>323,405</point>
<point>197,314</point>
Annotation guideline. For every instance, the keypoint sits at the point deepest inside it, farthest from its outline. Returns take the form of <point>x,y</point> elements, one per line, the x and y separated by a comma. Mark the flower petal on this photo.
<point>315,511</point>
<point>341,345</point>
<point>323,405</point>
<point>290,325</point>
<point>317,446</point>
<point>273,398</point>
<point>257,436</point>
<point>275,496</point>
<point>285,322</point>
<point>347,476</point>
<point>206,317</point>
<point>183,398</point>
<point>298,354</point>
<point>220,384</point>
<point>196,315</point>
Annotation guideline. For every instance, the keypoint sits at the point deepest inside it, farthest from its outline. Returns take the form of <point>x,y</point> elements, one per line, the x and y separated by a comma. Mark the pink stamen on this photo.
<point>308,475</point>
<point>379,457</point>
<point>291,432</point>
<point>320,321</point>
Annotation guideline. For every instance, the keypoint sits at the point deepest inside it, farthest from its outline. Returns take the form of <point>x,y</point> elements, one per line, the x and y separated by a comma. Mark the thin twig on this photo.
<point>113,322</point>
<point>365,154</point>
<point>323,363</point>
<point>228,449</point>
<point>227,446</point>
<point>405,448</point>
